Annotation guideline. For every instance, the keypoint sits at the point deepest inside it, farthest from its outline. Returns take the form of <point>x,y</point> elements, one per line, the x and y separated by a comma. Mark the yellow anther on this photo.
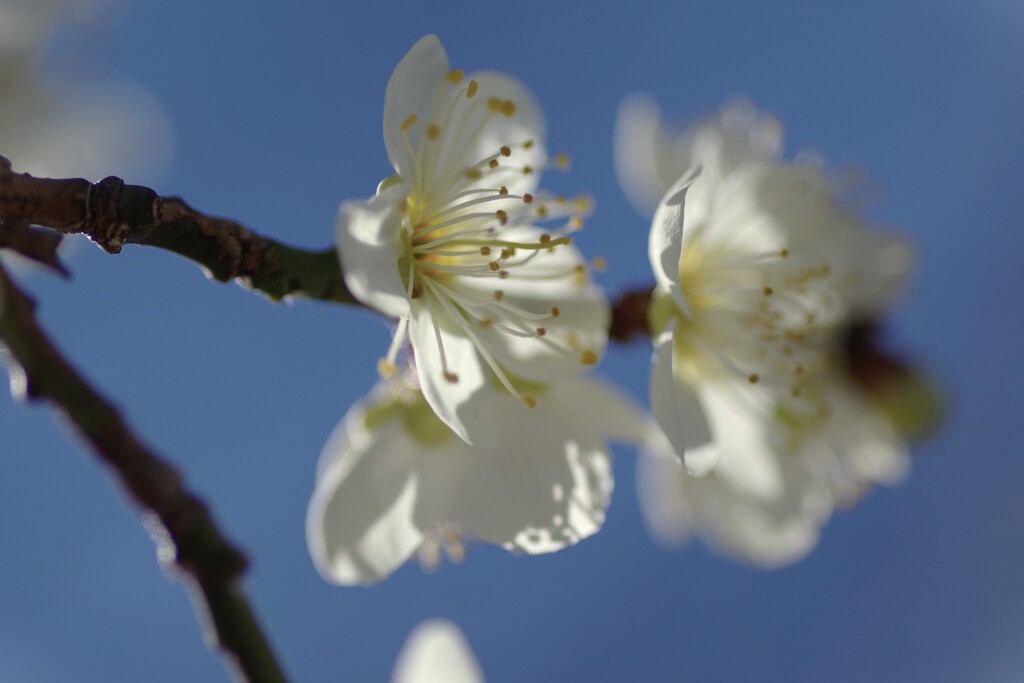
<point>451,377</point>
<point>506,151</point>
<point>502,190</point>
<point>471,89</point>
<point>493,163</point>
<point>502,216</point>
<point>503,274</point>
<point>784,253</point>
<point>560,199</point>
<point>473,174</point>
<point>508,108</point>
<point>798,370</point>
<point>486,323</point>
<point>541,331</point>
<point>386,368</point>
<point>753,378</point>
<point>582,204</point>
<point>498,295</point>
<point>530,401</point>
<point>575,222</point>
<point>494,266</point>
<point>527,170</point>
<point>542,211</point>
<point>454,76</point>
<point>409,122</point>
<point>588,357</point>
<point>433,132</point>
<point>493,103</point>
<point>528,144</point>
<point>485,251</point>
<point>506,254</point>
<point>555,311</point>
<point>599,264</point>
<point>768,291</point>
<point>562,161</point>
<point>544,239</point>
<point>528,198</point>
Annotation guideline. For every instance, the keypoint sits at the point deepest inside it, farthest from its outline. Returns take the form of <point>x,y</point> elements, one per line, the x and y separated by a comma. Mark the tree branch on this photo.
<point>180,522</point>
<point>113,214</point>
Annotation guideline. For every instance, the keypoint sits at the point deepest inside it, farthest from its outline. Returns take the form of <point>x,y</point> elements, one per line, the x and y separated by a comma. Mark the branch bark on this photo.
<point>112,214</point>
<point>179,522</point>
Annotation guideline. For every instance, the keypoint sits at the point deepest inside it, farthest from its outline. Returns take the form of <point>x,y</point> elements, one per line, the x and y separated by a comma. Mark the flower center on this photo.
<point>754,316</point>
<point>465,232</point>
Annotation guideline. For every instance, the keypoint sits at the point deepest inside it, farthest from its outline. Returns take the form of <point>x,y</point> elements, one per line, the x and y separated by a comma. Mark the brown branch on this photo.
<point>629,315</point>
<point>113,214</point>
<point>181,523</point>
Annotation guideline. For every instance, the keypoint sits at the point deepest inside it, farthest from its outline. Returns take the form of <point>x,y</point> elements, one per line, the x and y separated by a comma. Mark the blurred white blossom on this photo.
<point>394,480</point>
<point>449,248</point>
<point>760,268</point>
<point>436,652</point>
<point>62,118</point>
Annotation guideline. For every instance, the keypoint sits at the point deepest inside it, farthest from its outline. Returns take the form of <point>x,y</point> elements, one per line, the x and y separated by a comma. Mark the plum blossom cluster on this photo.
<point>482,426</point>
<point>763,269</point>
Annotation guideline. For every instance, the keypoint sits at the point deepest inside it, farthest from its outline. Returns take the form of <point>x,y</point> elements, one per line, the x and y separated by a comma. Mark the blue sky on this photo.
<point>277,110</point>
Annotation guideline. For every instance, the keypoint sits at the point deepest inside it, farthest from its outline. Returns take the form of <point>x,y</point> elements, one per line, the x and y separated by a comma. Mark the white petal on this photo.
<point>604,409</point>
<point>644,163</point>
<point>360,526</point>
<point>411,90</point>
<point>465,405</point>
<point>436,652</point>
<point>526,124</point>
<point>666,239</point>
<point>544,486</point>
<point>676,407</point>
<point>667,512</point>
<point>369,246</point>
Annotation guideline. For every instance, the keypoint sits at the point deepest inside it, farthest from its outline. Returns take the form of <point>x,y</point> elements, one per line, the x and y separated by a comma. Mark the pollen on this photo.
<point>409,122</point>
<point>530,401</point>
<point>493,163</point>
<point>508,108</point>
<point>600,264</point>
<point>451,377</point>
<point>498,295</point>
<point>784,253</point>
<point>506,151</point>
<point>485,251</point>
<point>576,223</point>
<point>544,239</point>
<point>471,89</point>
<point>493,103</point>
<point>433,132</point>
<point>528,198</point>
<point>502,190</point>
<point>563,162</point>
<point>494,266</point>
<point>541,331</point>
<point>767,291</point>
<point>555,311</point>
<point>473,174</point>
<point>753,378</point>
<point>588,357</point>
<point>527,170</point>
<point>528,144</point>
<point>454,76</point>
<point>386,368</point>
<point>502,216</point>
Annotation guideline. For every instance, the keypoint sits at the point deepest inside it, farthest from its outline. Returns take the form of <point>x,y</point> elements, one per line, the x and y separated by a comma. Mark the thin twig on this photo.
<point>180,522</point>
<point>113,214</point>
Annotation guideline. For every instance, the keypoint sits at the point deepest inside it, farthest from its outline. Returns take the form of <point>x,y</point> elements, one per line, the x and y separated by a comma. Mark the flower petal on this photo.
<point>666,239</point>
<point>526,124</point>
<point>545,485</point>
<point>644,161</point>
<point>677,409</point>
<point>436,652</point>
<point>369,247</point>
<point>411,90</point>
<point>465,405</point>
<point>360,524</point>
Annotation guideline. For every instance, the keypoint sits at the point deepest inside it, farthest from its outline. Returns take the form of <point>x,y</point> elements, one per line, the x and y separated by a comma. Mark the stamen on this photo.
<point>409,122</point>
<point>588,358</point>
<point>471,90</point>
<point>454,76</point>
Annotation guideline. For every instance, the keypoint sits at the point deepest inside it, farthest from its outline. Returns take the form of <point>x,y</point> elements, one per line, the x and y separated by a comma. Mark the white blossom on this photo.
<point>394,481</point>
<point>449,247</point>
<point>436,652</point>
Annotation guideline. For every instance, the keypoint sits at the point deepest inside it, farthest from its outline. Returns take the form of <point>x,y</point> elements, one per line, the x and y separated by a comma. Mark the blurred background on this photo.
<point>276,113</point>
